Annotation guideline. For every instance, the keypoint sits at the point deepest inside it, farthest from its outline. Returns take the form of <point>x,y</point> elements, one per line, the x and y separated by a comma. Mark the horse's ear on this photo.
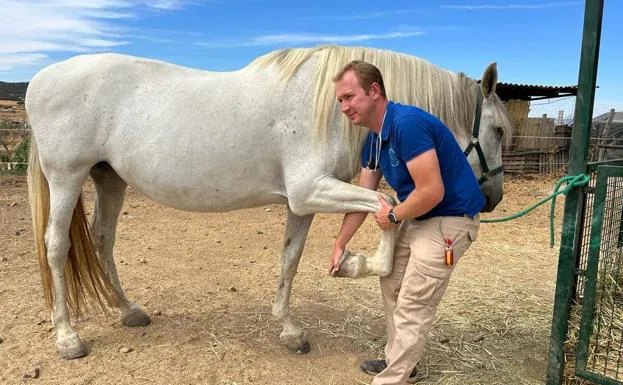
<point>489,80</point>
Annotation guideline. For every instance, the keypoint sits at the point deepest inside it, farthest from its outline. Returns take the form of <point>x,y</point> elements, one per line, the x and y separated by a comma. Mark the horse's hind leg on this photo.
<point>110,190</point>
<point>292,336</point>
<point>64,193</point>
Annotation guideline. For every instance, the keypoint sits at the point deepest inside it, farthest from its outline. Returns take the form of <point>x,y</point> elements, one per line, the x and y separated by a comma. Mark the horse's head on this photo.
<point>485,149</point>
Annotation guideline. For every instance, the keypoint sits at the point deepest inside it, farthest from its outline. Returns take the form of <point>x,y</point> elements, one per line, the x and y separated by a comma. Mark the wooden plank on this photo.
<point>518,113</point>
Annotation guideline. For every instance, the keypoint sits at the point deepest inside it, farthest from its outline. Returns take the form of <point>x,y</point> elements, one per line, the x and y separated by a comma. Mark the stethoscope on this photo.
<point>377,149</point>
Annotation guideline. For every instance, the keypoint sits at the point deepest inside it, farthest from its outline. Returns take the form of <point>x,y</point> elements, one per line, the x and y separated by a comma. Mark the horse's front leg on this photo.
<point>331,195</point>
<point>293,337</point>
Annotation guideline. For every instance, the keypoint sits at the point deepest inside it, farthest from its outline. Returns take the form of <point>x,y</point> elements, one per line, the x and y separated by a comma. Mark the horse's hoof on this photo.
<point>295,342</point>
<point>353,266</point>
<point>135,317</point>
<point>71,348</point>
<point>303,349</point>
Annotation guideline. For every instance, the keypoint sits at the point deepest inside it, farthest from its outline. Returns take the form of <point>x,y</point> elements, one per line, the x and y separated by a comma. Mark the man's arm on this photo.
<point>429,190</point>
<point>352,221</point>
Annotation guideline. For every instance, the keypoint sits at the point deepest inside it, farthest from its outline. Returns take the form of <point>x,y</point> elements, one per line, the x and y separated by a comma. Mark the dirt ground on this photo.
<point>208,281</point>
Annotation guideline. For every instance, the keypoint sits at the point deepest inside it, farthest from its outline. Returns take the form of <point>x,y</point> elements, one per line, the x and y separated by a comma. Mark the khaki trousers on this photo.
<point>412,292</point>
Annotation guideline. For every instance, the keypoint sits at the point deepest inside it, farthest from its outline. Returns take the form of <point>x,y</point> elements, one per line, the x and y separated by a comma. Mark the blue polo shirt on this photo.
<point>408,132</point>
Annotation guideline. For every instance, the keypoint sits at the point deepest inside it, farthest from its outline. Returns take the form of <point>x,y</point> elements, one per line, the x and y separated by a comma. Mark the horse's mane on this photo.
<point>449,96</point>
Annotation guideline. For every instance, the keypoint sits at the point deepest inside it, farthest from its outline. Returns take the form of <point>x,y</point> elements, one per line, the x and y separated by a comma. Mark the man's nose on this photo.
<point>345,106</point>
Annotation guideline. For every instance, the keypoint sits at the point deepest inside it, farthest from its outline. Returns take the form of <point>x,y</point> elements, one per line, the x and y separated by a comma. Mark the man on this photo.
<point>438,211</point>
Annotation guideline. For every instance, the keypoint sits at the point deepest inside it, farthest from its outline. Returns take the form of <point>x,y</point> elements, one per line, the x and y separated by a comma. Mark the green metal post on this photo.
<point>593,12</point>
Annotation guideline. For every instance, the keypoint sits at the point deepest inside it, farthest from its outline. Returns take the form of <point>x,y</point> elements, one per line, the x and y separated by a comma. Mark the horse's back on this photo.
<point>187,138</point>
<point>66,80</point>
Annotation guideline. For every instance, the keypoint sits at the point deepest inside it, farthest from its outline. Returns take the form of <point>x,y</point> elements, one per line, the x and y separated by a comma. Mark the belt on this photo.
<point>472,217</point>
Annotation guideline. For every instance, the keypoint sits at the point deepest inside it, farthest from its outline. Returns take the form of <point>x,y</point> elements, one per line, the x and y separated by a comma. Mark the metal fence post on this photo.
<point>593,12</point>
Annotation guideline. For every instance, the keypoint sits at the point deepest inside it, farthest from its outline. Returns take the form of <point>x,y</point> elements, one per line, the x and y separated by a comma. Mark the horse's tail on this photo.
<point>84,276</point>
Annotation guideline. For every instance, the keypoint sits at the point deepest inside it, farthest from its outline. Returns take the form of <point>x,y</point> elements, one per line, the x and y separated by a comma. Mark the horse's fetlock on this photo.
<point>279,311</point>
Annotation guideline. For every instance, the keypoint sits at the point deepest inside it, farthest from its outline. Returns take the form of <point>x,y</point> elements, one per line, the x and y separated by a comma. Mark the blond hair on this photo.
<point>410,80</point>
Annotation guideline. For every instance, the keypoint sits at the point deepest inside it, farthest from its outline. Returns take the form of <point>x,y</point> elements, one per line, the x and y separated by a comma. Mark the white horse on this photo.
<point>268,133</point>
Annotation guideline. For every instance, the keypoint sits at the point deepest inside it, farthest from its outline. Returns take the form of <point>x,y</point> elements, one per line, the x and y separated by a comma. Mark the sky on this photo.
<point>532,41</point>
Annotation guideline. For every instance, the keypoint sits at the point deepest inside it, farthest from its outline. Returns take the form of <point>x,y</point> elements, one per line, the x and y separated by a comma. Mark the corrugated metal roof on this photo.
<point>508,91</point>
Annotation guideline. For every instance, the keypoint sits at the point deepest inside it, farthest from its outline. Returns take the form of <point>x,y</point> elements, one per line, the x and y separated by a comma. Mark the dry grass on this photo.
<point>605,354</point>
<point>492,327</point>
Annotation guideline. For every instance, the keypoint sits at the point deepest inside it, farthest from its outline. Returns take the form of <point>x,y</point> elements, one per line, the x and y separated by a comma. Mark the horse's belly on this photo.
<point>214,166</point>
<point>204,186</point>
<point>212,201</point>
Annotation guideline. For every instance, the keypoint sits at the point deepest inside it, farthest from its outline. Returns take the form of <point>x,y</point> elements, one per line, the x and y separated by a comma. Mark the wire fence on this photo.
<point>14,149</point>
<point>561,109</point>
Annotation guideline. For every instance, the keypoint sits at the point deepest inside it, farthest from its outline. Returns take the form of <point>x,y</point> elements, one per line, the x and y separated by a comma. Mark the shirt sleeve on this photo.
<point>415,137</point>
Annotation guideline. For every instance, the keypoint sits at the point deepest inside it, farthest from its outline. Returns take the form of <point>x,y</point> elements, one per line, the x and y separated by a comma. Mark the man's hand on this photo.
<point>334,259</point>
<point>381,216</point>
<point>369,180</point>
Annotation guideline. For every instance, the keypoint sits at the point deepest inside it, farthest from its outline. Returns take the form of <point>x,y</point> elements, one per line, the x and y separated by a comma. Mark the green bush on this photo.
<point>21,153</point>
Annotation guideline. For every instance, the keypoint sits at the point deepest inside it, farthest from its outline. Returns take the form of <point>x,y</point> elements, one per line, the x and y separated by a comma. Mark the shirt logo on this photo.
<point>393,158</point>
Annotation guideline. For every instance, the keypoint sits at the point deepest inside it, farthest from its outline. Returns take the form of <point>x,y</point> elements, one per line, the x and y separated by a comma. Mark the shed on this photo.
<point>535,147</point>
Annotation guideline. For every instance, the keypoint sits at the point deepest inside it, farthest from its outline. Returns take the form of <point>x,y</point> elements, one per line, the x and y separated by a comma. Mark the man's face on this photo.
<point>355,103</point>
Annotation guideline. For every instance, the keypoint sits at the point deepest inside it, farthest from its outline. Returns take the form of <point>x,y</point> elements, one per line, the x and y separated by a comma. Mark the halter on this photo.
<point>475,143</point>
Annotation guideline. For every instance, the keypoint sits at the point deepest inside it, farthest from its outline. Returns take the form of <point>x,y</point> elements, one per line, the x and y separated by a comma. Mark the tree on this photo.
<point>11,136</point>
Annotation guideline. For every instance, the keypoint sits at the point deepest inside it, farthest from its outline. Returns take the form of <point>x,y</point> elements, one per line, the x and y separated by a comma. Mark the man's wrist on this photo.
<point>392,217</point>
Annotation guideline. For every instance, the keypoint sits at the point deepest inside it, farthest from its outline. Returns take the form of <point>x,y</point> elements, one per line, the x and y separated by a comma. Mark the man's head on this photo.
<point>360,90</point>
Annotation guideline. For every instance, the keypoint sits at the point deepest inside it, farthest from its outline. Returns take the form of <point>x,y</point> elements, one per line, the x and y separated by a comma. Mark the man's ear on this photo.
<point>376,88</point>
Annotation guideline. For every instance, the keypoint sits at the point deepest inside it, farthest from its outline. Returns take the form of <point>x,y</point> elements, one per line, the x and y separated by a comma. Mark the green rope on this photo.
<point>571,181</point>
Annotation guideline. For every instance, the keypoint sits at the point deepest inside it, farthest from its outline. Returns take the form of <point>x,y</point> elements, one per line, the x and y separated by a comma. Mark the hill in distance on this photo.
<point>13,91</point>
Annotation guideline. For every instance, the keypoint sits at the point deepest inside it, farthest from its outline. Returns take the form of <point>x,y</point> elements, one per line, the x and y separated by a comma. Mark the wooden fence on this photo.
<point>536,162</point>
<point>539,146</point>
